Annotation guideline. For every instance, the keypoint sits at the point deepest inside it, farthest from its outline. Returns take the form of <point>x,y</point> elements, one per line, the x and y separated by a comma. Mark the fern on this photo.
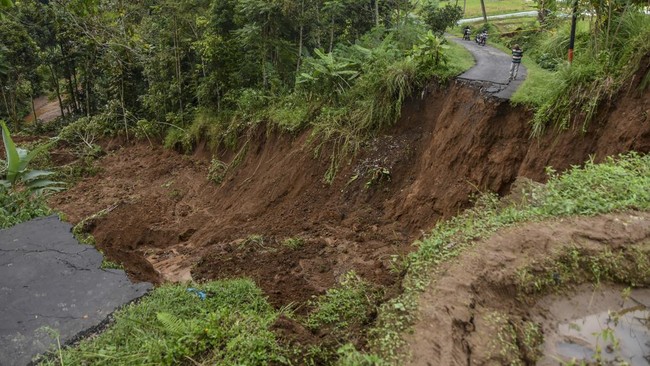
<point>173,325</point>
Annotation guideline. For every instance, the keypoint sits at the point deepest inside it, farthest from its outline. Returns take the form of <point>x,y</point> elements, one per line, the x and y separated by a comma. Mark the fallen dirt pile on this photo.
<point>475,314</point>
<point>274,220</point>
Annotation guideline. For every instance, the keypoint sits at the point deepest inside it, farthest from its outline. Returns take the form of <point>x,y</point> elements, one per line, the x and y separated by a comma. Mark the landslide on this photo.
<point>154,211</point>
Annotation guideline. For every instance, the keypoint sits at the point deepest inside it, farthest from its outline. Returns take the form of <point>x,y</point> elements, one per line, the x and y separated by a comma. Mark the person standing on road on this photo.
<point>517,54</point>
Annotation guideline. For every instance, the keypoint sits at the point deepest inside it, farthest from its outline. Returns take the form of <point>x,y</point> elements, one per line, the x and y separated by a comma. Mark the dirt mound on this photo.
<point>168,222</point>
<point>472,315</point>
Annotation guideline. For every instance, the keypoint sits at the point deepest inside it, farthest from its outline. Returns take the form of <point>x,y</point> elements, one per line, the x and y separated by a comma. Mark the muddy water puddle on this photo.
<point>597,323</point>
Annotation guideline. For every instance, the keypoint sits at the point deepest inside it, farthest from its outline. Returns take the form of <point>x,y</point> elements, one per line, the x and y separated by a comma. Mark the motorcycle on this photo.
<point>481,38</point>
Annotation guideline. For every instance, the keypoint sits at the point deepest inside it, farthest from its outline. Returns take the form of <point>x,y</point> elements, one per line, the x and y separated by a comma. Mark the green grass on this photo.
<point>538,86</point>
<point>460,60</point>
<point>348,304</point>
<point>173,326</point>
<point>494,7</point>
<point>615,185</point>
<point>293,243</point>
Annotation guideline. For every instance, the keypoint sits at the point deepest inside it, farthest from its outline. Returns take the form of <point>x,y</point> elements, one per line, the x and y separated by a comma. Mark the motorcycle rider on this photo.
<point>484,37</point>
<point>481,38</point>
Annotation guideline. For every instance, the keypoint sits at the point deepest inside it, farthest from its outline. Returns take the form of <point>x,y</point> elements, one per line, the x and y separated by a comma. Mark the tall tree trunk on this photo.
<point>178,68</point>
<point>31,95</point>
<point>377,13</point>
<point>318,34</point>
<point>87,87</point>
<point>483,10</point>
<point>331,35</point>
<point>76,88</point>
<point>302,27</point>
<point>12,103</point>
<point>68,76</point>
<point>55,81</point>
<point>4,97</point>
<point>126,126</point>
<point>301,31</point>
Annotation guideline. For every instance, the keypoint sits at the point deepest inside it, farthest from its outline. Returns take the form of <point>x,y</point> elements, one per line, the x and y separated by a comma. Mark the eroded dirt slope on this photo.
<point>165,221</point>
<point>459,314</point>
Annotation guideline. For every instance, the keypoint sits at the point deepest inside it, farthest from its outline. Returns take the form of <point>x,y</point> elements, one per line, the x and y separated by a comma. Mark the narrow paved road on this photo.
<point>50,281</point>
<point>491,70</point>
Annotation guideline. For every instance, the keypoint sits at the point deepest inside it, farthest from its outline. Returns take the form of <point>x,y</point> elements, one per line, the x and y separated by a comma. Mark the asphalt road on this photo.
<point>492,69</point>
<point>50,281</point>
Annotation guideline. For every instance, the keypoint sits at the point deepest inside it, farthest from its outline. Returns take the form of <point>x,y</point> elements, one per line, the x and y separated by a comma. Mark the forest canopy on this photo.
<point>192,67</point>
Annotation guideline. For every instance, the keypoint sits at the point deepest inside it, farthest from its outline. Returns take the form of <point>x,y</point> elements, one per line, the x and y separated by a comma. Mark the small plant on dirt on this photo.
<point>16,170</point>
<point>175,195</point>
<point>253,239</point>
<point>376,175</point>
<point>217,171</point>
<point>514,343</point>
<point>108,264</point>
<point>503,346</point>
<point>293,243</point>
<point>348,355</point>
<point>350,303</point>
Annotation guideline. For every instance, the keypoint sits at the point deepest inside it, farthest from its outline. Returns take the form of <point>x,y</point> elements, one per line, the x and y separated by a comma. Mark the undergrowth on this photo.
<point>20,206</point>
<point>616,184</point>
<point>175,326</point>
<point>564,94</point>
<point>574,265</point>
<point>347,305</point>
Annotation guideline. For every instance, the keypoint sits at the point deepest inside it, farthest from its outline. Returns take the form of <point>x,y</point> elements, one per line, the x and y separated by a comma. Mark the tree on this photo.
<point>440,18</point>
<point>20,60</point>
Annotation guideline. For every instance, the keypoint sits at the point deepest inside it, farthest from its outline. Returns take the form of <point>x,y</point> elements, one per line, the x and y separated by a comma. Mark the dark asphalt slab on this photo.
<point>49,280</point>
<point>492,69</point>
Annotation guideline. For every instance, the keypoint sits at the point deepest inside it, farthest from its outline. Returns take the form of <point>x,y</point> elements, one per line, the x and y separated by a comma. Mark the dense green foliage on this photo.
<point>614,185</point>
<point>211,69</point>
<point>20,206</point>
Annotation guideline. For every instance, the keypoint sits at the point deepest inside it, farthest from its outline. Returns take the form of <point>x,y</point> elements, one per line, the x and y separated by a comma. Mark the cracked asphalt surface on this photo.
<point>50,281</point>
<point>491,70</point>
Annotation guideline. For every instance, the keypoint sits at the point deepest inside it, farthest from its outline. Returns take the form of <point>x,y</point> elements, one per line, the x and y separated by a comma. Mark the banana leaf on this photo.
<point>13,158</point>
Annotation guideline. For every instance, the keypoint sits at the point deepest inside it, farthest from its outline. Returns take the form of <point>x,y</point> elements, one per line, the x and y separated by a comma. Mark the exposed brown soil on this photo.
<point>457,323</point>
<point>168,222</point>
